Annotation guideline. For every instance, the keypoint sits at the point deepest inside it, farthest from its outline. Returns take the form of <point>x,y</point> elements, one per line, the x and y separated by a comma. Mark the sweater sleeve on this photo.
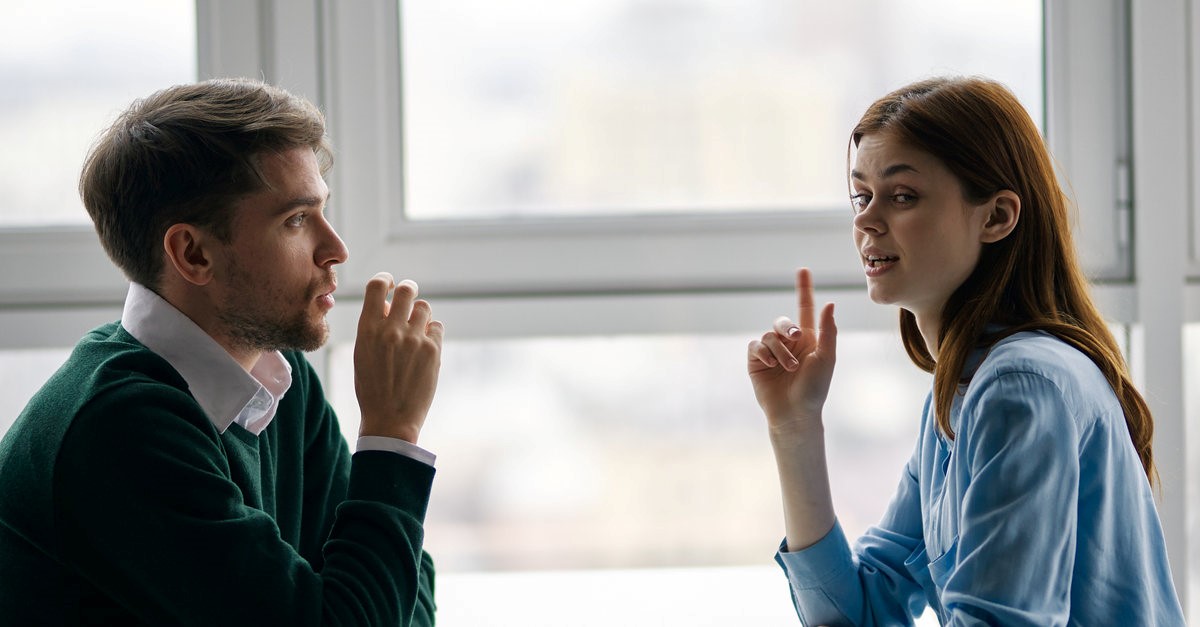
<point>326,471</point>
<point>146,511</point>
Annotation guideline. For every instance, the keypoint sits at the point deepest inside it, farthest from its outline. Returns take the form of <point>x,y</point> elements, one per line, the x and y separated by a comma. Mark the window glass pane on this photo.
<point>536,107</point>
<point>637,451</point>
<point>22,373</point>
<point>68,68</point>
<point>1191,386</point>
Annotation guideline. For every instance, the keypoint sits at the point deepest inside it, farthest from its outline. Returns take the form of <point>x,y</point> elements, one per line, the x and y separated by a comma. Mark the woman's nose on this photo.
<point>868,219</point>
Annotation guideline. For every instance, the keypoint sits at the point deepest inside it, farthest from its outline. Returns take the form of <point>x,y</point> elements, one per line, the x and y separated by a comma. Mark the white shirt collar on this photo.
<point>225,391</point>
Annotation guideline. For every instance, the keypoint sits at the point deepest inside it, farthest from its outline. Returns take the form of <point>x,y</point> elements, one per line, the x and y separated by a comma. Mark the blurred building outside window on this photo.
<point>68,69</point>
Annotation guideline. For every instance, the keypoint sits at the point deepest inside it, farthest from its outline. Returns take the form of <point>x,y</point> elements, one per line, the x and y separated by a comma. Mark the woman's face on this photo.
<point>918,238</point>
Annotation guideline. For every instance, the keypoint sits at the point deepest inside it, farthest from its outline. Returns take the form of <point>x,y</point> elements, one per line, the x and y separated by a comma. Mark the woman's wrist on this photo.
<point>796,432</point>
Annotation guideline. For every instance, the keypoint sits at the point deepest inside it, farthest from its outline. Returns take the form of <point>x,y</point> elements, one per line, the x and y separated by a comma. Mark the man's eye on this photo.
<point>297,220</point>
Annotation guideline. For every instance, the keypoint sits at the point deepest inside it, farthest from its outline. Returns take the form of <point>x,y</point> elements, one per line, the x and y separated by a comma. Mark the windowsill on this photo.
<point>743,595</point>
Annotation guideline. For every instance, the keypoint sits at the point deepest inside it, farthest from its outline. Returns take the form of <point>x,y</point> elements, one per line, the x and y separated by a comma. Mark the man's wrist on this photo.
<point>408,433</point>
<point>408,449</point>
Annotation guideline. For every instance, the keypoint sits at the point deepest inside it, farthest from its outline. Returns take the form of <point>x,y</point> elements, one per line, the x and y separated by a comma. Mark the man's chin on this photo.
<point>317,344</point>
<point>313,338</point>
<point>306,338</point>
<point>301,333</point>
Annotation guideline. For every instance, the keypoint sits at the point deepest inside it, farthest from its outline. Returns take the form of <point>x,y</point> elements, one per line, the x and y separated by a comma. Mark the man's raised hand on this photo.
<point>397,356</point>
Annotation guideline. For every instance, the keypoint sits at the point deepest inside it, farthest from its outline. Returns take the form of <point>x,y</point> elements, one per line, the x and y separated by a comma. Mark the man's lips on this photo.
<point>325,295</point>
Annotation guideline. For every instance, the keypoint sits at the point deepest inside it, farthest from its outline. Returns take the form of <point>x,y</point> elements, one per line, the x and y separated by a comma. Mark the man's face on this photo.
<point>275,280</point>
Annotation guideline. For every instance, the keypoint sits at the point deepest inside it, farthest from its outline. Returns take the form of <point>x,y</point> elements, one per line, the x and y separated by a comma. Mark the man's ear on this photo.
<point>190,252</point>
<point>1004,210</point>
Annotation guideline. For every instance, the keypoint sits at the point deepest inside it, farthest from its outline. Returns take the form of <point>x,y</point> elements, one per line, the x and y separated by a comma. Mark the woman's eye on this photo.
<point>858,202</point>
<point>903,199</point>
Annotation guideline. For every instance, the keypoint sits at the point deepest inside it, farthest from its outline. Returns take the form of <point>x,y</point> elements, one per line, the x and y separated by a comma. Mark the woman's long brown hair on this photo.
<point>1030,280</point>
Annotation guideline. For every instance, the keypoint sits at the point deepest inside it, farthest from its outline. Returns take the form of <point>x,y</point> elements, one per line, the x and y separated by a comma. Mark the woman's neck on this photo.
<point>930,327</point>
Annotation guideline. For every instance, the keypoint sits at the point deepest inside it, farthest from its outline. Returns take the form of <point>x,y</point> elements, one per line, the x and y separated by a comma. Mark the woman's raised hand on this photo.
<point>792,364</point>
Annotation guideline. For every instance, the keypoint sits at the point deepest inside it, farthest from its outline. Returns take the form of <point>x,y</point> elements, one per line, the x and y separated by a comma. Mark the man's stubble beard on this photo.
<point>251,326</point>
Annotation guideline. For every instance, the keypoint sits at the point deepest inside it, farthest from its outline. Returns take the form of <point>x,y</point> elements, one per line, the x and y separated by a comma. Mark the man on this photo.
<point>183,467</point>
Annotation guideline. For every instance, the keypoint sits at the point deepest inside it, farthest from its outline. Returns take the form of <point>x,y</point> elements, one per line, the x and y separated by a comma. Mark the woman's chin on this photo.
<point>880,296</point>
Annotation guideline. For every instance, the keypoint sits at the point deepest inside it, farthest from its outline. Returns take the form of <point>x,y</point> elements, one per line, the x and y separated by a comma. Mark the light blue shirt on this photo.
<point>224,390</point>
<point>1037,513</point>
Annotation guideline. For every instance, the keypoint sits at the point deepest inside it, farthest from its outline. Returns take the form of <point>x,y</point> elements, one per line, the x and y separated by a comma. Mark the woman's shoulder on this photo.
<point>1036,362</point>
<point>1036,353</point>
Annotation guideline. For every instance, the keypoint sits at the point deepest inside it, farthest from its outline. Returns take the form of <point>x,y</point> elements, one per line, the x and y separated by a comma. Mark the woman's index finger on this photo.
<point>804,292</point>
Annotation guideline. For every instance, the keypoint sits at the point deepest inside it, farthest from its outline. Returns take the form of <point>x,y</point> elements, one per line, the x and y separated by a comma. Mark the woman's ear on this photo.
<point>1004,209</point>
<point>189,251</point>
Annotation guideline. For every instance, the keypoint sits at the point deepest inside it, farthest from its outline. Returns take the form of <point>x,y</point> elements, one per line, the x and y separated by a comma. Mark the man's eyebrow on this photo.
<point>891,170</point>
<point>303,201</point>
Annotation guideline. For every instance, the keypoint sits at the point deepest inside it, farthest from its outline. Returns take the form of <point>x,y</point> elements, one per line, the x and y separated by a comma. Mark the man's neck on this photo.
<point>196,307</point>
<point>246,358</point>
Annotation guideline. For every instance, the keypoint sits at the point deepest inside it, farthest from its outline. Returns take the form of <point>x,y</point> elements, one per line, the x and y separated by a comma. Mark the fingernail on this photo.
<point>793,362</point>
<point>793,332</point>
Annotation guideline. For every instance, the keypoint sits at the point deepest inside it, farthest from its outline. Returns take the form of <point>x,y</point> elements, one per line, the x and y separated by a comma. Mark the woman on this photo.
<point>1027,500</point>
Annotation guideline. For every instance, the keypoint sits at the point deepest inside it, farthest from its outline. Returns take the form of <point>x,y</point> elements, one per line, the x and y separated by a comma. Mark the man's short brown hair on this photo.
<point>184,155</point>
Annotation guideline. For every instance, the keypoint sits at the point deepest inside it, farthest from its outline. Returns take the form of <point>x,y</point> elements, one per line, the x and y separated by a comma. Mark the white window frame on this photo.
<point>724,273</point>
<point>725,252</point>
<point>1162,100</point>
<point>344,55</point>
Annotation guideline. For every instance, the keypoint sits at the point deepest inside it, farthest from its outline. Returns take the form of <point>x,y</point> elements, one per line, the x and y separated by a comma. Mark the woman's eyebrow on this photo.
<point>891,170</point>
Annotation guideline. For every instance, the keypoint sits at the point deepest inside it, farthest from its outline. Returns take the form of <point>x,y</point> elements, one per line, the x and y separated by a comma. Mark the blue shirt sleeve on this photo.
<point>875,584</point>
<point>1038,512</point>
<point>1008,512</point>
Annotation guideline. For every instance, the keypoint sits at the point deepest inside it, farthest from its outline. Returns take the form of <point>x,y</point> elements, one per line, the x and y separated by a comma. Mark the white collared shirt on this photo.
<point>225,391</point>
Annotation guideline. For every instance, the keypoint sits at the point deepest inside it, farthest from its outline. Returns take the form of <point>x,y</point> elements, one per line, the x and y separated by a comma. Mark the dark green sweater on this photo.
<point>120,503</point>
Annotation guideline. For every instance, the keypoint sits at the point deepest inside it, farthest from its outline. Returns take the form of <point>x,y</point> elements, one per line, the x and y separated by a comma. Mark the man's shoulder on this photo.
<point>107,363</point>
<point>108,356</point>
<point>105,393</point>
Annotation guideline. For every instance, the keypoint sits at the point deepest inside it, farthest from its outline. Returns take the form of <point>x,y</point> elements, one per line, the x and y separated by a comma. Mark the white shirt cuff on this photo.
<point>395,445</point>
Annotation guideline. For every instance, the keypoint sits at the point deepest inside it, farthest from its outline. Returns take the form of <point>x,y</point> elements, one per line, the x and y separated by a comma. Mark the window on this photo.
<point>1193,26</point>
<point>23,373</point>
<point>429,202</point>
<point>68,68</point>
<point>457,167</point>
<point>476,153</point>
<point>1191,373</point>
<point>636,451</point>
<point>631,106</point>
<point>564,458</point>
